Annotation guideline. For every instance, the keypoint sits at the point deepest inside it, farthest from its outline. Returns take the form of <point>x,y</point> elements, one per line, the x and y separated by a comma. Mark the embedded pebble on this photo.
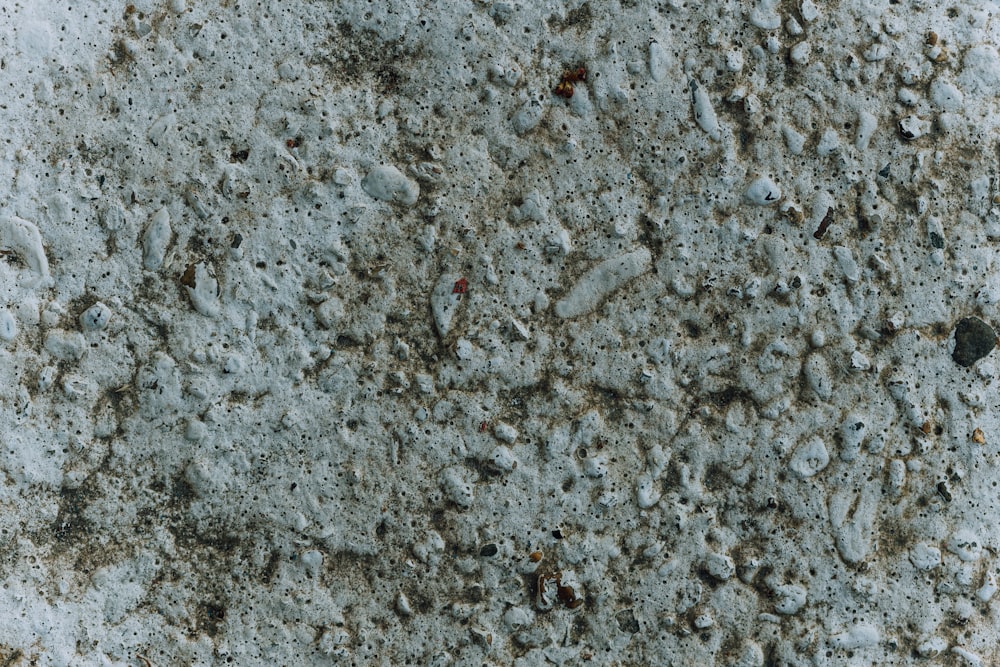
<point>734,61</point>
<point>703,621</point>
<point>704,112</point>
<point>720,566</point>
<point>204,294</point>
<point>913,127</point>
<point>505,433</point>
<point>503,459</point>
<point>196,430</point>
<point>387,183</point>
<point>862,635</point>
<point>810,458</point>
<point>658,61</point>
<point>458,489</point>
<point>876,52</point>
<point>331,312</point>
<point>24,238</point>
<point>897,476</point>
<point>829,143</point>
<point>765,15</point>
<point>849,267</point>
<point>445,300</point>
<point>8,325</point>
<point>809,11</point>
<point>794,140</point>
<point>155,240</point>
<point>763,191</point>
<point>924,556</point>
<point>968,657</point>
<point>528,117</point>
<point>65,345</point>
<point>867,123</point>
<point>800,53</point>
<point>818,376</point>
<point>157,132</point>
<point>852,433</point>
<point>965,544</point>
<point>601,281</point>
<point>974,340</point>
<point>648,493</point>
<point>989,588</point>
<point>95,318</point>
<point>946,95</point>
<point>790,599</point>
<point>932,647</point>
<point>907,97</point>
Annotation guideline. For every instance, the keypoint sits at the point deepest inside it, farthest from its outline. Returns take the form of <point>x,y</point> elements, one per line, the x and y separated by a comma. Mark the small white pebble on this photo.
<point>800,53</point>
<point>658,61</point>
<point>505,433</point>
<point>234,364</point>
<point>969,658</point>
<point>867,123</point>
<point>791,598</point>
<point>765,16</point>
<point>925,557</point>
<point>178,6</point>
<point>763,191</point>
<point>988,589</point>
<point>342,176</point>
<point>504,459</point>
<point>720,566</point>
<point>932,647</point>
<point>155,240</point>
<point>95,318</point>
<point>818,338</point>
<point>196,430</point>
<point>734,61</point>
<point>46,377</point>
<point>387,183</point>
<point>8,325</point>
<point>862,635</point>
<point>793,27</point>
<point>809,11</point>
<point>794,140</point>
<point>647,492</point>
<point>912,127</point>
<point>829,143</point>
<point>908,97</point>
<point>845,258</point>
<point>946,95</point>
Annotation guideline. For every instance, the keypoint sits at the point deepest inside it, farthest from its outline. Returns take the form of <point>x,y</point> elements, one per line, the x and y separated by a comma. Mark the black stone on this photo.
<point>488,550</point>
<point>974,339</point>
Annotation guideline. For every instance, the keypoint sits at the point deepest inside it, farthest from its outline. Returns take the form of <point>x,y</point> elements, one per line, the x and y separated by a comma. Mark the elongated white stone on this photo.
<point>155,240</point>
<point>598,283</point>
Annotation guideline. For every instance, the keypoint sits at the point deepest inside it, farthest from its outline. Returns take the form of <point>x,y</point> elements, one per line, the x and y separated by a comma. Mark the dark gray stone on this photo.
<point>974,339</point>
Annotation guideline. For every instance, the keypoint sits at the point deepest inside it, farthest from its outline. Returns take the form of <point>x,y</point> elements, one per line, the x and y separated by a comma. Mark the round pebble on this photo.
<point>95,318</point>
<point>974,339</point>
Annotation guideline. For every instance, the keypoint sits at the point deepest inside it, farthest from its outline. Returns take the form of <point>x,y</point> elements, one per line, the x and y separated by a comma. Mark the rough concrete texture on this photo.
<point>499,333</point>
